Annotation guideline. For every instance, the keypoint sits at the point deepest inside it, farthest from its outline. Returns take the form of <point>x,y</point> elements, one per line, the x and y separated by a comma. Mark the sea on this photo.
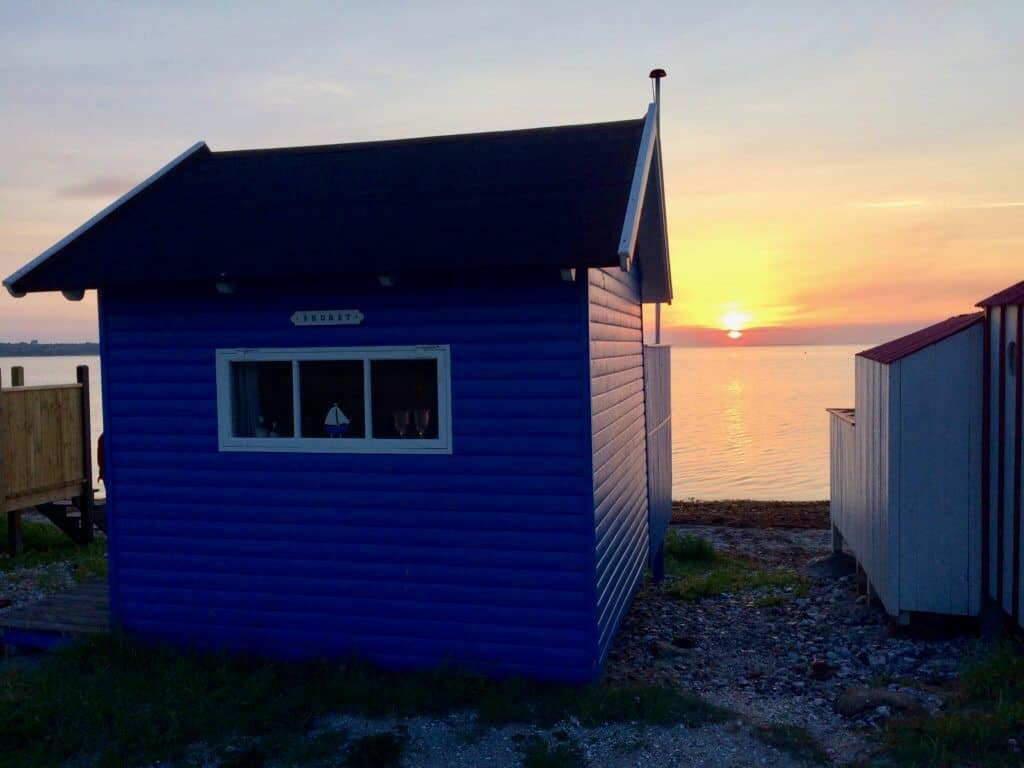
<point>747,422</point>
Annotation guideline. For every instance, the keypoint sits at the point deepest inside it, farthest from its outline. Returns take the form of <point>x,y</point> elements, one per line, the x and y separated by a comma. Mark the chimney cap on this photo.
<point>657,74</point>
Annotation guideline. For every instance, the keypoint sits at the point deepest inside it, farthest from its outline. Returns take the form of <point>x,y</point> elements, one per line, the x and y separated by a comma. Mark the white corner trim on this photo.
<point>9,282</point>
<point>631,224</point>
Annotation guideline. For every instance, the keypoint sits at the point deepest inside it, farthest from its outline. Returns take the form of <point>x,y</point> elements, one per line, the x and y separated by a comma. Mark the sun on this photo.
<point>734,322</point>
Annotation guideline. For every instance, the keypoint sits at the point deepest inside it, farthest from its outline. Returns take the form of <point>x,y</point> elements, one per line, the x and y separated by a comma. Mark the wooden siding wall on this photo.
<point>865,525</point>
<point>845,491</point>
<point>1005,450</point>
<point>658,404</point>
<point>618,443</point>
<point>936,491</point>
<point>43,447</point>
<point>994,417</point>
<point>483,557</point>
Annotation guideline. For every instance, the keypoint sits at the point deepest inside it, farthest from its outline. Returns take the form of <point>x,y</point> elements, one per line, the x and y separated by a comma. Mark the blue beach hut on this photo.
<point>389,399</point>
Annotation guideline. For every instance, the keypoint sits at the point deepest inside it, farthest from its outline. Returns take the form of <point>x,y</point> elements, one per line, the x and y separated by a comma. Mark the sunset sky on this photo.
<point>833,174</point>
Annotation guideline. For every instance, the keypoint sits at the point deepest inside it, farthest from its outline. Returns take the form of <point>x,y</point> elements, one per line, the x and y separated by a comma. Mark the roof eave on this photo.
<point>11,282</point>
<point>645,225</point>
<point>1012,295</point>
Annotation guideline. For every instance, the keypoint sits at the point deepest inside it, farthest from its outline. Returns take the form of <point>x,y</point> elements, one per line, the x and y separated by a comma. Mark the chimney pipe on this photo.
<point>656,75</point>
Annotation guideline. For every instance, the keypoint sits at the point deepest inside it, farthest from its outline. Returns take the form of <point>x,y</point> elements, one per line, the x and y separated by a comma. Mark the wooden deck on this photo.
<point>58,618</point>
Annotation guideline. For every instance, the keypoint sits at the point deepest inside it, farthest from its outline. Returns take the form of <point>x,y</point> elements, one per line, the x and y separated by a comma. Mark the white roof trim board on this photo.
<point>631,224</point>
<point>99,217</point>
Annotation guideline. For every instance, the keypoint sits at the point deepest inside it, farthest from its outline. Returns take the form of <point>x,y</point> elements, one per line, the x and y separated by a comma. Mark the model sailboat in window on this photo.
<point>336,423</point>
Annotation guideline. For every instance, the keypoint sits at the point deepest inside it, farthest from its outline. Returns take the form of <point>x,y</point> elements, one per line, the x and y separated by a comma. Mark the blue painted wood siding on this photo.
<point>618,444</point>
<point>483,557</point>
<point>658,405</point>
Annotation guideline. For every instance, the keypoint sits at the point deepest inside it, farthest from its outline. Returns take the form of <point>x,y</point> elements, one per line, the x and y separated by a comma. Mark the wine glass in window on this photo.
<point>401,419</point>
<point>422,416</point>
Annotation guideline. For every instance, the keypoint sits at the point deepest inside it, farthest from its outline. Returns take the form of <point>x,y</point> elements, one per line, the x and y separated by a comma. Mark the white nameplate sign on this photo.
<point>327,317</point>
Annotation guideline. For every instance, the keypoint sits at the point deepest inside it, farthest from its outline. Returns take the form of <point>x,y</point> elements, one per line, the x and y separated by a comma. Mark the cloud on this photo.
<point>335,89</point>
<point>898,204</point>
<point>930,204</point>
<point>285,90</point>
<point>1011,204</point>
<point>101,186</point>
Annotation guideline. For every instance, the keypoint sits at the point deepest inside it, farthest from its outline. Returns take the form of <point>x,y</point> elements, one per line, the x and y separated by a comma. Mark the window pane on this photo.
<point>331,394</point>
<point>261,399</point>
<point>404,399</point>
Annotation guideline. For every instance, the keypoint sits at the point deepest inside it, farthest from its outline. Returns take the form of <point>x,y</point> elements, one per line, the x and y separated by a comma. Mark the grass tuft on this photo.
<point>700,572</point>
<point>794,740</point>
<point>684,548</point>
<point>45,544</point>
<point>115,702</point>
<point>982,725</point>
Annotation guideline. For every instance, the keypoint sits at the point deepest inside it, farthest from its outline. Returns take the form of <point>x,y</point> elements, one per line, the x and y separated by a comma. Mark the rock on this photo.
<point>683,641</point>
<point>821,670</point>
<point>661,649</point>
<point>857,700</point>
<point>877,660</point>
<point>883,711</point>
<point>835,566</point>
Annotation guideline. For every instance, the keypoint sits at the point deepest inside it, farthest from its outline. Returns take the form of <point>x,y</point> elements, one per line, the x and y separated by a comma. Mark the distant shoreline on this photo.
<point>36,349</point>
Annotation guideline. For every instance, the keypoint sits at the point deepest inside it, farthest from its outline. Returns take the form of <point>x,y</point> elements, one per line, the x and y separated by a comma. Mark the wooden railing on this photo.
<point>658,400</point>
<point>45,451</point>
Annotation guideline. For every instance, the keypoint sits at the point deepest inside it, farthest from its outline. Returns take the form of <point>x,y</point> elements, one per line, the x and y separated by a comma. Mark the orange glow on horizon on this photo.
<point>734,334</point>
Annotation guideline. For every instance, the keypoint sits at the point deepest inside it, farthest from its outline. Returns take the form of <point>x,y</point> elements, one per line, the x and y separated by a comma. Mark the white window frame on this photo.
<point>296,444</point>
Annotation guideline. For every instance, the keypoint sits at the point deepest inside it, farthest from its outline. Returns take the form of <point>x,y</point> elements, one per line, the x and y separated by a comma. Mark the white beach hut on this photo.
<point>1004,486</point>
<point>906,468</point>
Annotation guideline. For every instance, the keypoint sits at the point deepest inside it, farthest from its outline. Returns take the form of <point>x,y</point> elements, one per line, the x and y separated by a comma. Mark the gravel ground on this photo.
<point>26,585</point>
<point>464,745</point>
<point>827,661</point>
<point>458,741</point>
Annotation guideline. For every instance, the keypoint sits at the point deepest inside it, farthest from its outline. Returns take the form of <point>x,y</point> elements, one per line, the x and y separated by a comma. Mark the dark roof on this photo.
<point>540,197</point>
<point>1012,295</point>
<point>846,414</point>
<point>899,348</point>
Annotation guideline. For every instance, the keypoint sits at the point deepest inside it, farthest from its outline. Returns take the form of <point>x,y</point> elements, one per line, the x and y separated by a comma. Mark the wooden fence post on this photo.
<point>86,502</point>
<point>17,376</point>
<point>13,517</point>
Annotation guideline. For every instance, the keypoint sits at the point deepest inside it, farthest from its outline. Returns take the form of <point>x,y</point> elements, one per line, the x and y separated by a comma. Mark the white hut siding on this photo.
<point>937,488</point>
<point>1011,523</point>
<point>907,478</point>
<point>994,417</point>
<point>845,491</point>
<point>868,529</point>
<point>1006,444</point>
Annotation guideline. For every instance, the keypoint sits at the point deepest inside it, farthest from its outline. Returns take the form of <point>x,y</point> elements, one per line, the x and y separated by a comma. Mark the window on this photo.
<point>359,400</point>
